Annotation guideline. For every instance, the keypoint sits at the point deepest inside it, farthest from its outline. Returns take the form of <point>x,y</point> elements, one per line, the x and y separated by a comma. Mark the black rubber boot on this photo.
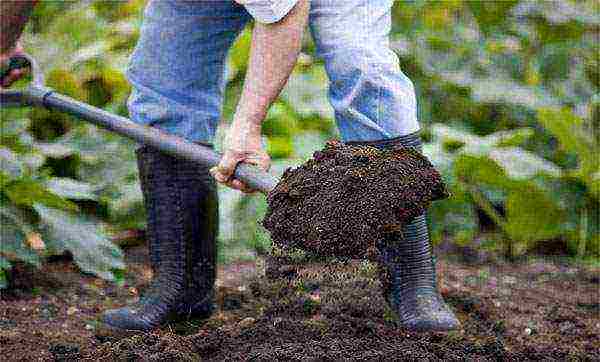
<point>408,268</point>
<point>181,205</point>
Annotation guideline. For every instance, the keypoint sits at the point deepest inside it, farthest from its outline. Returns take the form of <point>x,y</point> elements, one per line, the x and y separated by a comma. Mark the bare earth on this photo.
<point>313,311</point>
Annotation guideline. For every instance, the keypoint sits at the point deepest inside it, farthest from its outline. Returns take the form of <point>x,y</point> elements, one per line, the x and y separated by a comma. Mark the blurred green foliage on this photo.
<point>508,100</point>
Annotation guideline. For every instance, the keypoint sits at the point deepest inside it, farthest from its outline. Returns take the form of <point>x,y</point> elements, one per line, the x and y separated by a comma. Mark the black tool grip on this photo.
<point>16,62</point>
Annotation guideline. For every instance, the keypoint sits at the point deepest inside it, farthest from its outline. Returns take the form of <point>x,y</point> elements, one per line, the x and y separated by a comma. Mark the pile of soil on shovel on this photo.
<point>348,198</point>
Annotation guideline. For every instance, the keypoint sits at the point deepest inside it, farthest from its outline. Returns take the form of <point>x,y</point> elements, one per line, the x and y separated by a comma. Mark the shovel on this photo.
<point>37,95</point>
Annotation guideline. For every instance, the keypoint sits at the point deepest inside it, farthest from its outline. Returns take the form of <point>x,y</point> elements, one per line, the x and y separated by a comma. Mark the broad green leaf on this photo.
<point>444,132</point>
<point>126,207</point>
<point>532,216</point>
<point>308,143</point>
<point>13,232</point>
<point>33,161</point>
<point>573,136</point>
<point>595,185</point>
<point>4,263</point>
<point>477,170</point>
<point>521,164</point>
<point>453,217</point>
<point>490,15</point>
<point>238,54</point>
<point>280,147</point>
<point>84,238</point>
<point>27,192</point>
<point>71,189</point>
<point>12,126</point>
<point>3,277</point>
<point>504,91</point>
<point>476,145</point>
<point>438,157</point>
<point>567,128</point>
<point>513,137</point>
<point>10,164</point>
<point>307,93</point>
<point>54,150</point>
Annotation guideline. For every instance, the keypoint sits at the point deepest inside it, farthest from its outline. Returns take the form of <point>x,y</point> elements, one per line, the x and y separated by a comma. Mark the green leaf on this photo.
<point>573,136</point>
<point>567,128</point>
<point>238,54</point>
<point>532,216</point>
<point>71,189</point>
<point>84,238</point>
<point>513,137</point>
<point>506,91</point>
<point>3,278</point>
<point>4,263</point>
<point>125,206</point>
<point>477,170</point>
<point>521,164</point>
<point>307,93</point>
<point>454,217</point>
<point>54,150</point>
<point>27,192</point>
<point>438,157</point>
<point>476,145</point>
<point>280,147</point>
<point>10,164</point>
<point>13,232</point>
<point>444,132</point>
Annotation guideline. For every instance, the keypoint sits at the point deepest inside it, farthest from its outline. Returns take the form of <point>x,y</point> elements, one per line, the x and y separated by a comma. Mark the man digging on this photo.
<point>177,74</point>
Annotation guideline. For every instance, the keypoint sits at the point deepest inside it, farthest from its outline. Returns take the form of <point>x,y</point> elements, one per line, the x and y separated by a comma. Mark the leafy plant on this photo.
<point>579,185</point>
<point>507,96</point>
<point>40,217</point>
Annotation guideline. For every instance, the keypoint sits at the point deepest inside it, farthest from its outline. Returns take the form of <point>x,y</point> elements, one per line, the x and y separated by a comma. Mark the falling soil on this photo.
<point>344,200</point>
<point>540,310</point>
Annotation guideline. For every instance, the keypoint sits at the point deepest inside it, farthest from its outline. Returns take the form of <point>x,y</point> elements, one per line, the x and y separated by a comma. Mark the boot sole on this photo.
<point>106,332</point>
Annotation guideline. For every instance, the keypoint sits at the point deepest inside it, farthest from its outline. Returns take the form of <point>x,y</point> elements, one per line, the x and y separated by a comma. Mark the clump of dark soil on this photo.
<point>344,200</point>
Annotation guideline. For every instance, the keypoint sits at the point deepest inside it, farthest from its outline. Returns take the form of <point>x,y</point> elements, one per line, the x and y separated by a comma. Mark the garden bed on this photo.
<point>529,311</point>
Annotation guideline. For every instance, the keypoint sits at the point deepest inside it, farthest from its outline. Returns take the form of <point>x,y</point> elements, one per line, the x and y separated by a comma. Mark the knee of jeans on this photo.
<point>351,66</point>
<point>347,59</point>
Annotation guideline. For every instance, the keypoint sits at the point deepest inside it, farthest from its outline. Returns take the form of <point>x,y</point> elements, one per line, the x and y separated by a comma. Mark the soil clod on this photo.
<point>347,198</point>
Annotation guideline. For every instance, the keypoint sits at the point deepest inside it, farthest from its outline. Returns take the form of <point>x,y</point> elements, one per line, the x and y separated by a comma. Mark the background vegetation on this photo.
<point>508,98</point>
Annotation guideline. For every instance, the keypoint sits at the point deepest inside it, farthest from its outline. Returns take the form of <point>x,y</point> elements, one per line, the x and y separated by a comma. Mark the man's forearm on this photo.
<point>274,51</point>
<point>13,18</point>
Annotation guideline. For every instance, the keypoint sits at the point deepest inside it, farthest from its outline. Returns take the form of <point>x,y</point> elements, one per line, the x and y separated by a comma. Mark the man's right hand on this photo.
<point>14,74</point>
<point>242,144</point>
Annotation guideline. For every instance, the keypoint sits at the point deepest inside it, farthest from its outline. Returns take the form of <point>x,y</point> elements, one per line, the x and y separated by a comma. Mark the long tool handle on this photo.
<point>38,95</point>
<point>173,145</point>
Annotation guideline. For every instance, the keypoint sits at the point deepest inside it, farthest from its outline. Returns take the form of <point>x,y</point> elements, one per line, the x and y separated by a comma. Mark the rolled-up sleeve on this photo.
<point>268,11</point>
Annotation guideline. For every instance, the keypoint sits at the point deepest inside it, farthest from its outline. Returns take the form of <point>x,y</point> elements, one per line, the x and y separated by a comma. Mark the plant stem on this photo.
<point>483,203</point>
<point>583,226</point>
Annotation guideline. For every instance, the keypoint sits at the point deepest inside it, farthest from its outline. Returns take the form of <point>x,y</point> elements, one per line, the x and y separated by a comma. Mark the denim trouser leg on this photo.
<point>177,67</point>
<point>372,98</point>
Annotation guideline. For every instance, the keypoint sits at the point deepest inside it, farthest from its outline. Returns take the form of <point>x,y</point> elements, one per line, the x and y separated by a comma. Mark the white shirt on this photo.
<point>268,11</point>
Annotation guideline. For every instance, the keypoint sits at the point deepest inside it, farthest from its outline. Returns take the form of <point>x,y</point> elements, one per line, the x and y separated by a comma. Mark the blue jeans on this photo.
<point>177,68</point>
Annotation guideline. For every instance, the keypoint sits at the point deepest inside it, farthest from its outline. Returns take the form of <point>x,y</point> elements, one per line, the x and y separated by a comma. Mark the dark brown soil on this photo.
<point>345,199</point>
<point>540,310</point>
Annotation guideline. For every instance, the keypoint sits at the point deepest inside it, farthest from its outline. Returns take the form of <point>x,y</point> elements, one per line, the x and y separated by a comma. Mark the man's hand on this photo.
<point>274,51</point>
<point>14,74</point>
<point>242,144</point>
<point>13,18</point>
